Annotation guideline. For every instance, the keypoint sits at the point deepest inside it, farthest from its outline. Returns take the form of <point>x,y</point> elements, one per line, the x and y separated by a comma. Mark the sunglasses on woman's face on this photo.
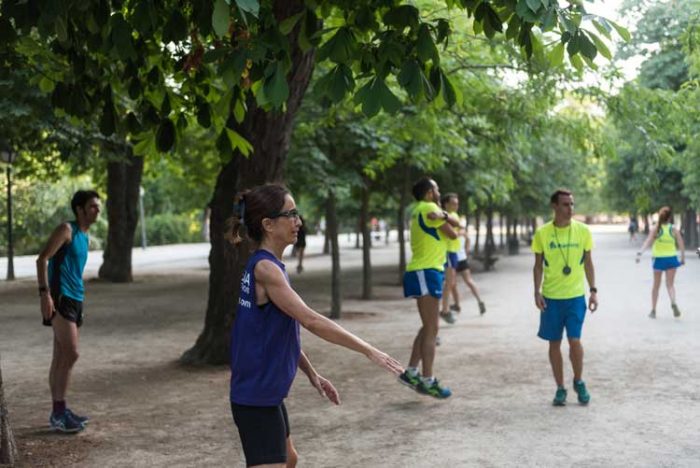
<point>294,213</point>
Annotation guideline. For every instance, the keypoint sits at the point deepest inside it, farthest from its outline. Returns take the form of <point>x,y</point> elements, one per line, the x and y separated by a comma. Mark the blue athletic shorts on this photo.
<point>666,263</point>
<point>562,313</point>
<point>452,260</point>
<point>423,283</point>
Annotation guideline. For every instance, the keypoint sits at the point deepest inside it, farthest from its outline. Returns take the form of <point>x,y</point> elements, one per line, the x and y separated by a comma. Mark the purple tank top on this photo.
<point>265,345</point>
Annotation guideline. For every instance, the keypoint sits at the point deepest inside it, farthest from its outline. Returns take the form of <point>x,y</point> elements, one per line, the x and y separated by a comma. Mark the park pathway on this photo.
<point>643,376</point>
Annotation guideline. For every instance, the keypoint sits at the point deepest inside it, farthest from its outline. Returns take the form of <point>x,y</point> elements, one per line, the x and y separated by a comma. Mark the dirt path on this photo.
<point>148,411</point>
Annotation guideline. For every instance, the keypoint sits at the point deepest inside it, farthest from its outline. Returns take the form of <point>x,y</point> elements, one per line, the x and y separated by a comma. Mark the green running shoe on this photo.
<point>560,397</point>
<point>433,389</point>
<point>482,308</point>
<point>583,396</point>
<point>652,314</point>
<point>676,310</point>
<point>408,380</point>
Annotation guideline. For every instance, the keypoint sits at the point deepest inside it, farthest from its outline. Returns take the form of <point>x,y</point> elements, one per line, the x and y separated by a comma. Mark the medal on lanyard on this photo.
<point>567,269</point>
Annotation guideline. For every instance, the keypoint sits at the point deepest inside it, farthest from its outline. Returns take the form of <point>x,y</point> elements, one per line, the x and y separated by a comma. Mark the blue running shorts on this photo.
<point>452,260</point>
<point>559,314</point>
<point>420,283</point>
<point>666,263</point>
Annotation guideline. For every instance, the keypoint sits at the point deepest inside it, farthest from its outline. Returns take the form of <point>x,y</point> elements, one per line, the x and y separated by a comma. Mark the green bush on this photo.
<point>170,228</point>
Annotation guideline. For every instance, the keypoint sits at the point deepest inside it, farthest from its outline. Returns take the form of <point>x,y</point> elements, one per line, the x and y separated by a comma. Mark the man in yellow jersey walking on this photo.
<point>423,280</point>
<point>562,250</point>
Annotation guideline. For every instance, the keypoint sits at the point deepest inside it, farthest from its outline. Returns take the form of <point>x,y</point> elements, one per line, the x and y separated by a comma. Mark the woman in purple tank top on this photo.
<point>265,343</point>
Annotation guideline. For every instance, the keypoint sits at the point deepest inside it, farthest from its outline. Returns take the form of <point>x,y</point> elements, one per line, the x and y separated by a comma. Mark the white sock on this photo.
<point>427,380</point>
<point>412,371</point>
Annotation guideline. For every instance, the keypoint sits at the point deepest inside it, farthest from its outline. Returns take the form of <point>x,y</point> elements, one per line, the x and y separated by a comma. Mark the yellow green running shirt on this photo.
<point>665,243</point>
<point>557,247</point>
<point>428,249</point>
<point>452,245</point>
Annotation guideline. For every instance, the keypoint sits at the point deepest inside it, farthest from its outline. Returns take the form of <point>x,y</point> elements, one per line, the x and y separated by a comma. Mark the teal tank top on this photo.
<point>67,265</point>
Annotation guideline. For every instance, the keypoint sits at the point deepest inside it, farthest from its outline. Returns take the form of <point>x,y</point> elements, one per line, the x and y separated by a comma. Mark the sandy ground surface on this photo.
<point>148,411</point>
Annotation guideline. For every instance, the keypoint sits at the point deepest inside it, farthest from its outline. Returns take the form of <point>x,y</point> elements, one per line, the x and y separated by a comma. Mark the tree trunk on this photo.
<point>500,229</point>
<point>690,228</point>
<point>477,226</point>
<point>326,241</point>
<point>490,243</point>
<point>332,230</point>
<point>401,220</point>
<point>123,185</point>
<point>8,447</point>
<point>646,224</point>
<point>366,242</point>
<point>269,134</point>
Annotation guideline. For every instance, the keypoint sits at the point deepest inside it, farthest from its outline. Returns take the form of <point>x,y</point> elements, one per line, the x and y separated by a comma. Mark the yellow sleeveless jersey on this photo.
<point>665,243</point>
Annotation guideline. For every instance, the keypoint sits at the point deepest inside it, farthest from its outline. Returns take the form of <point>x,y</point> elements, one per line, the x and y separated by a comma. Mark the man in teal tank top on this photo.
<point>60,275</point>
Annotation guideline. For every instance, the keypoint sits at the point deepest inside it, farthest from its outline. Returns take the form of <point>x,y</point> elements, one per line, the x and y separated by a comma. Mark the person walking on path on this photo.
<point>665,240</point>
<point>423,281</point>
<point>300,245</point>
<point>457,264</point>
<point>265,337</point>
<point>464,271</point>
<point>60,276</point>
<point>450,203</point>
<point>562,250</point>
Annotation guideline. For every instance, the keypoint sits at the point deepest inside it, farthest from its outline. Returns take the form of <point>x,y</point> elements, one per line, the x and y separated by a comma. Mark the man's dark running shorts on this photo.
<point>264,431</point>
<point>69,308</point>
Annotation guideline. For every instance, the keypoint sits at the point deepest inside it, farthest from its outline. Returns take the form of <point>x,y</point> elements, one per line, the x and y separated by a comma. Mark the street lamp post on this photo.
<point>8,155</point>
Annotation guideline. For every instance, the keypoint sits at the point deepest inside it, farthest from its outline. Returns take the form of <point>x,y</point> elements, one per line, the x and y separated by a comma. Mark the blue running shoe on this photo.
<point>433,389</point>
<point>583,396</point>
<point>409,380</point>
<point>560,397</point>
<point>81,419</point>
<point>64,423</point>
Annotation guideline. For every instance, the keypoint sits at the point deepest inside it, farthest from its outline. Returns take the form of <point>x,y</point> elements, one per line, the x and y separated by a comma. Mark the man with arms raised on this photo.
<point>562,250</point>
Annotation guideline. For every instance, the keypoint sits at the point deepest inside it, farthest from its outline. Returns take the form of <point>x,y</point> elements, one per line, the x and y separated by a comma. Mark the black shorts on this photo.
<point>69,308</point>
<point>264,431</point>
<point>463,265</point>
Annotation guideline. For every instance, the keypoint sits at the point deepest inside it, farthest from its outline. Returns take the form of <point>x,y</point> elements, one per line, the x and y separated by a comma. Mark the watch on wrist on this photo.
<point>593,290</point>
<point>445,215</point>
<point>43,289</point>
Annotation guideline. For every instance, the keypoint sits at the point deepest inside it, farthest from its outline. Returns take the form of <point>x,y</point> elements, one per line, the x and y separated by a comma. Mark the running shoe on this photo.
<point>81,419</point>
<point>456,308</point>
<point>437,341</point>
<point>433,389</point>
<point>409,380</point>
<point>676,310</point>
<point>652,314</point>
<point>560,397</point>
<point>482,308</point>
<point>64,423</point>
<point>583,396</point>
<point>448,316</point>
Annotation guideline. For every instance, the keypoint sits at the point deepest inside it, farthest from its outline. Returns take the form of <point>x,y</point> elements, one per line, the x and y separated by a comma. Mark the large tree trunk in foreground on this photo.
<point>270,134</point>
<point>123,185</point>
<point>366,242</point>
<point>332,230</point>
<point>8,448</point>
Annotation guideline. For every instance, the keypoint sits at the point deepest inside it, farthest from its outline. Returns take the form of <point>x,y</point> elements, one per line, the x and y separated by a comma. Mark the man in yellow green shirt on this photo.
<point>562,250</point>
<point>423,280</point>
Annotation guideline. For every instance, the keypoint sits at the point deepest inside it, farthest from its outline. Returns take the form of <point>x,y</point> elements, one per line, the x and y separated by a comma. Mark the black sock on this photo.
<point>59,407</point>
